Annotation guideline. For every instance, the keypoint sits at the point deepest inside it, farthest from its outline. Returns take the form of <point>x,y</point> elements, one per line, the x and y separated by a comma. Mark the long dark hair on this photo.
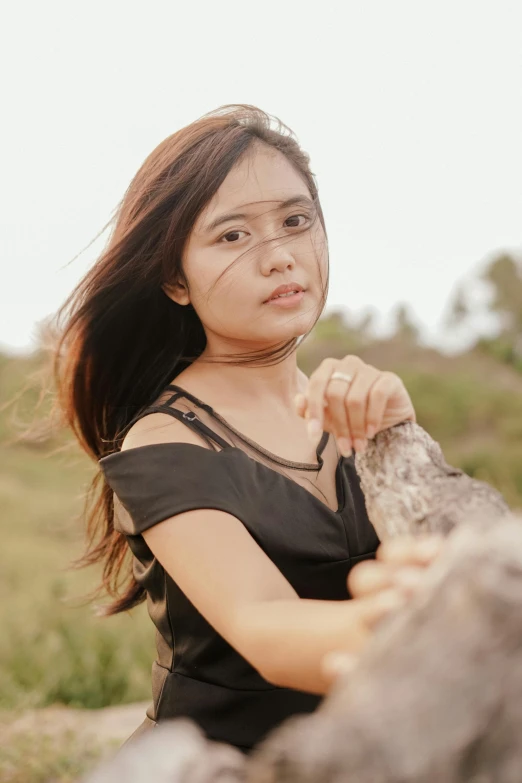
<point>122,339</point>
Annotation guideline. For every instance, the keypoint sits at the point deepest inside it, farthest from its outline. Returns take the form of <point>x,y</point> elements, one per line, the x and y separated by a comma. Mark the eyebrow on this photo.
<point>289,202</point>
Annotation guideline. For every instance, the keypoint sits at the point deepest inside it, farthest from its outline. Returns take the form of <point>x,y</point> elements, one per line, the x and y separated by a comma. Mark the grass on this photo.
<point>478,425</point>
<point>42,758</point>
<point>53,648</point>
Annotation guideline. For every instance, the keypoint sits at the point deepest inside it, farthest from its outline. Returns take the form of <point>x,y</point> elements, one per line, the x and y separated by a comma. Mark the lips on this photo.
<point>290,288</point>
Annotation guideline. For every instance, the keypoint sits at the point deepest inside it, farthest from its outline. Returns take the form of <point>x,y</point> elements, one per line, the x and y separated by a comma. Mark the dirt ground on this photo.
<point>59,744</point>
<point>111,724</point>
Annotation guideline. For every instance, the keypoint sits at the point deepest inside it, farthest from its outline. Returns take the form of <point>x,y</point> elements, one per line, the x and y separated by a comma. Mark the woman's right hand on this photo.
<point>382,586</point>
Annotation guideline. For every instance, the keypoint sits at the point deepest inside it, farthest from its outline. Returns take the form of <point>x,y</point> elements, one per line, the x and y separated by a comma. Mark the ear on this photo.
<point>178,292</point>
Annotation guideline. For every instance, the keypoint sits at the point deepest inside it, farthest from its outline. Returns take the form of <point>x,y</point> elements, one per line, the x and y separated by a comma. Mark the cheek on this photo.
<point>203,270</point>
<point>219,288</point>
<point>314,255</point>
<point>315,263</point>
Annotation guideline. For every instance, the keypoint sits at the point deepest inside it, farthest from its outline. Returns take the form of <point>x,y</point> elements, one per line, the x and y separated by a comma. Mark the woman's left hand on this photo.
<point>401,565</point>
<point>355,408</point>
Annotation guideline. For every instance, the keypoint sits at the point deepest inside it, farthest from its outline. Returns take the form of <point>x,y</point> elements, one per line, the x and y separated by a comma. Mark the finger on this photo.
<point>337,663</point>
<point>300,404</point>
<point>336,392</point>
<point>399,406</point>
<point>356,403</point>
<point>315,396</point>
<point>409,579</point>
<point>375,608</point>
<point>408,550</point>
<point>378,397</point>
<point>369,577</point>
<point>344,444</point>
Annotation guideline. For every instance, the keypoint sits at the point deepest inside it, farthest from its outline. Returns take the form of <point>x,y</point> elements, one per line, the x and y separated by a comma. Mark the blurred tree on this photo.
<point>458,308</point>
<point>504,275</point>
<point>405,328</point>
<point>331,326</point>
<point>366,323</point>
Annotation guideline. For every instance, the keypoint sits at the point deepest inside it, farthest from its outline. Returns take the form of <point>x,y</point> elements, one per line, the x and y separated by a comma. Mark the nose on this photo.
<point>277,256</point>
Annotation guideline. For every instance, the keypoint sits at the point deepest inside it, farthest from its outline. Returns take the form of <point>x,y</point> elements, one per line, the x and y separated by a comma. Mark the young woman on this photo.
<point>226,470</point>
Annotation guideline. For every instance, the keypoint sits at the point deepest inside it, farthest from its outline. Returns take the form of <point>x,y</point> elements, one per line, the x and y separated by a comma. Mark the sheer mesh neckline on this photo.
<point>307,466</point>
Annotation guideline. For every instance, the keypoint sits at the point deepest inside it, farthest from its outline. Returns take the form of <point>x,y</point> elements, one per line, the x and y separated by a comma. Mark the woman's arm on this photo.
<point>289,640</point>
<point>314,640</point>
<point>244,596</point>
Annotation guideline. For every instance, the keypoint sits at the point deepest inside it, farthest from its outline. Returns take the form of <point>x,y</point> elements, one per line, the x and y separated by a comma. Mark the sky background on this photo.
<point>410,110</point>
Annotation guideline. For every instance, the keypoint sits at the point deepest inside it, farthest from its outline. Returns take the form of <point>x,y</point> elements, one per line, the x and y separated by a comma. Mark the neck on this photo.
<point>278,383</point>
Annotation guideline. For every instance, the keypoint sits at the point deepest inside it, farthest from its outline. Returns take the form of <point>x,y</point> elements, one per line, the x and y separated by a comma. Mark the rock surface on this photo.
<point>409,487</point>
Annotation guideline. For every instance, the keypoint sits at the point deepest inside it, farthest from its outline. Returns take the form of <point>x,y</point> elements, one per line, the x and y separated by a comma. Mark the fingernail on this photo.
<point>345,447</point>
<point>314,428</point>
<point>370,433</point>
<point>360,444</point>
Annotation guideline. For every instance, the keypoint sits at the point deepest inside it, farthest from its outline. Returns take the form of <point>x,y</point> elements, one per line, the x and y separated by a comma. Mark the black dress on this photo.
<point>197,674</point>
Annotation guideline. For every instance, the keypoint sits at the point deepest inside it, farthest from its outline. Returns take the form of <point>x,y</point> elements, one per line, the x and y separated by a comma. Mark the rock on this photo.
<point>173,752</point>
<point>409,488</point>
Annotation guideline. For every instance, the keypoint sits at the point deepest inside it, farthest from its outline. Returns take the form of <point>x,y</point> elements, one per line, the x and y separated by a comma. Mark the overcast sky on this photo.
<point>411,112</point>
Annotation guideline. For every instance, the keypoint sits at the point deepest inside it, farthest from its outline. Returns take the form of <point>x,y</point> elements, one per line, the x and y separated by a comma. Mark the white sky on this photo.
<point>411,112</point>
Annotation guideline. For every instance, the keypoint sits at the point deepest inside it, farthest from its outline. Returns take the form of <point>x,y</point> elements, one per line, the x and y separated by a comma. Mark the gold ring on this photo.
<point>341,376</point>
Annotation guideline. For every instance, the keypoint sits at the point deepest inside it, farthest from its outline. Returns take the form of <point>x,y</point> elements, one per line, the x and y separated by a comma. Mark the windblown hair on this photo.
<point>122,339</point>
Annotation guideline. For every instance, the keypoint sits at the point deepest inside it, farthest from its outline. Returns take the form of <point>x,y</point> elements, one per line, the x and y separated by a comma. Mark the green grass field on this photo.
<point>53,648</point>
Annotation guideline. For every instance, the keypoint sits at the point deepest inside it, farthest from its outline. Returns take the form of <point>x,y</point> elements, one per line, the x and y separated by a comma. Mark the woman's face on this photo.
<point>258,233</point>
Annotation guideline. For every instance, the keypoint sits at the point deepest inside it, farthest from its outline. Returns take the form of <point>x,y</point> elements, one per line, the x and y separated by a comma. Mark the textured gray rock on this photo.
<point>173,752</point>
<point>409,487</point>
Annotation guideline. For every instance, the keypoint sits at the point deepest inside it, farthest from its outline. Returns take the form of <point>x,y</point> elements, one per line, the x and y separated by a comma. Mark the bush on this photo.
<point>60,654</point>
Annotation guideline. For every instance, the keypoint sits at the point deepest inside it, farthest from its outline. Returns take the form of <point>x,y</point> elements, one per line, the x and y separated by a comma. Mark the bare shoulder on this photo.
<point>159,428</point>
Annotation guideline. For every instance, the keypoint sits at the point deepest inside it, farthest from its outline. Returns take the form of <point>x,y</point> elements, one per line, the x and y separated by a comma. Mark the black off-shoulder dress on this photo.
<point>197,674</point>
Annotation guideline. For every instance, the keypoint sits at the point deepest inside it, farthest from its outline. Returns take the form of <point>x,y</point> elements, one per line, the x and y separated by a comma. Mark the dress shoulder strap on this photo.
<point>189,418</point>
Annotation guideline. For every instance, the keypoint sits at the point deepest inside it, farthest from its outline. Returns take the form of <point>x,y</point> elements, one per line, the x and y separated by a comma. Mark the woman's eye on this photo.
<point>231,237</point>
<point>296,221</point>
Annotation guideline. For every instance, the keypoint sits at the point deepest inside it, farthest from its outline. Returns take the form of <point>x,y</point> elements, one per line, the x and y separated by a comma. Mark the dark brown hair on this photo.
<point>122,340</point>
